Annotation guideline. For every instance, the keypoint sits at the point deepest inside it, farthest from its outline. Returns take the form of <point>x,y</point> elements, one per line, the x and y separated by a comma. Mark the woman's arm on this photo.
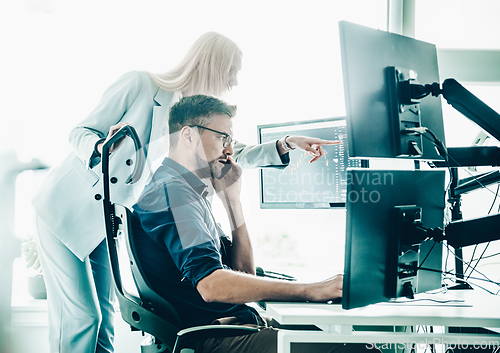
<point>258,156</point>
<point>113,105</point>
<point>270,154</point>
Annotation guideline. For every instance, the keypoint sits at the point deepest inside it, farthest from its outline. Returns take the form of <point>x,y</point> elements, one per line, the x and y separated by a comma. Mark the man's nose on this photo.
<point>229,151</point>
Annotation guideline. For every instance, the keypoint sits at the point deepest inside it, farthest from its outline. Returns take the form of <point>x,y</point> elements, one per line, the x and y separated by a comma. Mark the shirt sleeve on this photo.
<point>285,158</point>
<point>176,217</point>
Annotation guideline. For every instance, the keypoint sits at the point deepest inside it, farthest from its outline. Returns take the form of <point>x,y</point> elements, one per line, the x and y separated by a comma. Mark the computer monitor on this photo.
<point>377,68</point>
<point>390,214</point>
<point>321,184</point>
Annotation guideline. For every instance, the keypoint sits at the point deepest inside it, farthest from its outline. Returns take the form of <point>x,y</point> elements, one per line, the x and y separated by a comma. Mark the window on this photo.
<point>458,23</point>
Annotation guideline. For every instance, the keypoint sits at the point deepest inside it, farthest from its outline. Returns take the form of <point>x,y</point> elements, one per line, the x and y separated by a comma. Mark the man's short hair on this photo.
<point>196,110</point>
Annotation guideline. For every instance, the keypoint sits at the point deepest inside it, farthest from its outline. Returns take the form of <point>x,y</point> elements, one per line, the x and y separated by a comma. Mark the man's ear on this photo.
<point>187,135</point>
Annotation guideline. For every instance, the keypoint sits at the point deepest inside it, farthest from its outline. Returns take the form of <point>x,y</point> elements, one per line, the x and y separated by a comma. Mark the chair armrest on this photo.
<point>190,337</point>
<point>210,331</point>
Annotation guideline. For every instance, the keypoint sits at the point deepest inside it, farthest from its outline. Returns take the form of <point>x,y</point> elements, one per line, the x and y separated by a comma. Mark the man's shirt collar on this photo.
<point>193,181</point>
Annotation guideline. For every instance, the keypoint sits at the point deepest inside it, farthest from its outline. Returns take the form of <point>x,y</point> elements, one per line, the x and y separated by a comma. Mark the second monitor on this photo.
<point>321,184</point>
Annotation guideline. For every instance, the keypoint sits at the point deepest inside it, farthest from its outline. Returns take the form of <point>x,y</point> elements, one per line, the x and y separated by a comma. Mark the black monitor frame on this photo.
<point>376,67</point>
<point>318,129</point>
<point>382,206</point>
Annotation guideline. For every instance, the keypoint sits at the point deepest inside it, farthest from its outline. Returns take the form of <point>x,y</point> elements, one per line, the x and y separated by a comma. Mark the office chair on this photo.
<point>147,312</point>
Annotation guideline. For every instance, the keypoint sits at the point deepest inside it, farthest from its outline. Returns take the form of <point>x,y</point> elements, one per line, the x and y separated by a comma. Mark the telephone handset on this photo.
<point>225,169</point>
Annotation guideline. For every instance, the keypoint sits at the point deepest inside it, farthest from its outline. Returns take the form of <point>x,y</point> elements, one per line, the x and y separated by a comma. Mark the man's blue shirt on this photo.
<point>179,243</point>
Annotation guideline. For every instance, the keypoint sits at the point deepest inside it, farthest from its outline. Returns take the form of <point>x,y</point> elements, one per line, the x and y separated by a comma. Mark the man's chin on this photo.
<point>216,169</point>
<point>216,173</point>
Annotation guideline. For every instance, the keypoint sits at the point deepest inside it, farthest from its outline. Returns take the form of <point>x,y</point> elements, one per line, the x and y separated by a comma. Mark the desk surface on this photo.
<point>467,308</point>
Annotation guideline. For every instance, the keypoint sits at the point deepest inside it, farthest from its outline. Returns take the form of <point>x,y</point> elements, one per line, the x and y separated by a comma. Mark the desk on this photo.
<point>474,309</point>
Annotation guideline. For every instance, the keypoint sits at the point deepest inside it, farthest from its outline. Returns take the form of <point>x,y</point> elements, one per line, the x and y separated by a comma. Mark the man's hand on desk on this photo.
<point>326,290</point>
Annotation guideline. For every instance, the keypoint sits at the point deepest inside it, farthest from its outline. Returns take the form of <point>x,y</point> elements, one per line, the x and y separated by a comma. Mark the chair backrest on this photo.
<point>149,312</point>
<point>151,300</point>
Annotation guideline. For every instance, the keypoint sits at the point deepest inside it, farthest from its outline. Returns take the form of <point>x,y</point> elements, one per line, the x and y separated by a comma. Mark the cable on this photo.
<point>477,261</point>
<point>406,301</point>
<point>472,256</point>
<point>437,143</point>
<point>496,195</point>
<point>426,256</point>
<point>453,160</point>
<point>488,256</point>
<point>485,279</point>
<point>453,277</point>
<point>440,145</point>
<point>446,261</point>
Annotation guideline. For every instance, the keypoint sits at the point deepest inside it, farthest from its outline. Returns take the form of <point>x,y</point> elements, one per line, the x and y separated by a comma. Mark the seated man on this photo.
<point>187,258</point>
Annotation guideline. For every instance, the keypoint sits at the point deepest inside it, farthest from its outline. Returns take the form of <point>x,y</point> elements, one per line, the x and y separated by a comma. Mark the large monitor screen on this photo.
<point>386,254</point>
<point>375,64</point>
<point>321,184</point>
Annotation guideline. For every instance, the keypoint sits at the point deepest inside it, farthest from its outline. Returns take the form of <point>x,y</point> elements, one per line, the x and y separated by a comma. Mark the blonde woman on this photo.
<point>68,205</point>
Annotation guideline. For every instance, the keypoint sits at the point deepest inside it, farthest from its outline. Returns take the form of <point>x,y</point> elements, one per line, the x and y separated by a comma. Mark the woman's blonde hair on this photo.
<point>204,69</point>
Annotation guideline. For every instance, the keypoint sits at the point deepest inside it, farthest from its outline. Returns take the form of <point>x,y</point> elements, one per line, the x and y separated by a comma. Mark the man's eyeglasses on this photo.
<point>228,139</point>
